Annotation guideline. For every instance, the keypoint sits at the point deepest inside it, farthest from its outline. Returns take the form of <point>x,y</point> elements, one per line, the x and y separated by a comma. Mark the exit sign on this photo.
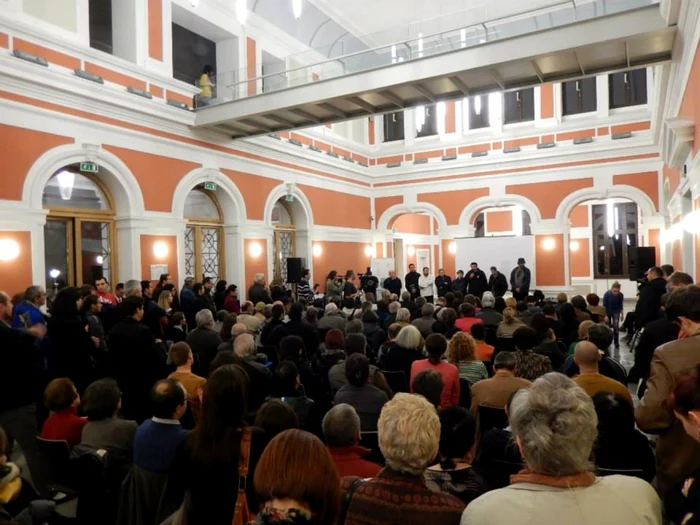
<point>89,167</point>
<point>289,198</point>
<point>210,186</point>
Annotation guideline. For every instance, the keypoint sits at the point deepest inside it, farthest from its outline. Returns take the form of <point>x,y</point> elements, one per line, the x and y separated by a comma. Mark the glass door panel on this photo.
<point>57,254</point>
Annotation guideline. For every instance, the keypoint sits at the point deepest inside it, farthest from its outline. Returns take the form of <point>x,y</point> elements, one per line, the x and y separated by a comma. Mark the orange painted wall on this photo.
<point>451,203</point>
<point>450,119</point>
<point>448,259</point>
<point>547,100</point>
<point>251,65</point>
<point>579,216</point>
<point>332,208</point>
<point>677,256</point>
<point>499,221</point>
<point>411,259</point>
<point>674,177</point>
<point>155,29</point>
<point>19,149</point>
<point>51,56</point>
<point>158,176</point>
<point>648,182</point>
<point>254,265</point>
<point>148,257</point>
<point>655,241</point>
<point>338,256</point>
<point>412,223</point>
<point>16,275</point>
<point>381,204</point>
<point>580,260</point>
<point>548,195</point>
<point>254,190</point>
<point>550,264</point>
<point>690,108</point>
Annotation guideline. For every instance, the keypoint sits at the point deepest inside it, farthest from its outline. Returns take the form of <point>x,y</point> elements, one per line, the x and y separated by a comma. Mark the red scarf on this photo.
<point>574,481</point>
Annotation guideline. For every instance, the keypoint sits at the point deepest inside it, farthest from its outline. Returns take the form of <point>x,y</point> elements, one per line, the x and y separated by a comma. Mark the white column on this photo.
<point>227,66</point>
<point>130,30</point>
<point>602,96</point>
<point>82,13</point>
<point>128,239</point>
<point>235,258</point>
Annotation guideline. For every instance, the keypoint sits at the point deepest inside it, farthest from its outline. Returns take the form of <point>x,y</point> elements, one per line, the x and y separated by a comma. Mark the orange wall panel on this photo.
<point>580,260</point>
<point>428,154</point>
<point>412,223</point>
<point>332,208</point>
<point>338,256</point>
<point>473,149</point>
<point>251,66</point>
<point>550,263</point>
<point>547,100</point>
<point>54,57</point>
<point>184,99</point>
<point>254,190</point>
<point>156,91</point>
<point>453,202</point>
<point>450,117</point>
<point>4,40</point>
<point>635,126</point>
<point>113,76</point>
<point>302,138</point>
<point>381,204</point>
<point>16,275</point>
<point>648,182</point>
<point>603,131</point>
<point>148,257</point>
<point>448,259</point>
<point>389,160</point>
<point>155,29</point>
<point>677,256</point>
<point>499,221</point>
<point>579,216</point>
<point>411,259</point>
<point>655,241</point>
<point>521,143</point>
<point>582,134</point>
<point>548,195</point>
<point>254,265</point>
<point>157,176</point>
<point>19,149</point>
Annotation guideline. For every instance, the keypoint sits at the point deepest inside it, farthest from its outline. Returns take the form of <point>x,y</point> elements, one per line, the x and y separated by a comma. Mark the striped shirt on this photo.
<point>472,371</point>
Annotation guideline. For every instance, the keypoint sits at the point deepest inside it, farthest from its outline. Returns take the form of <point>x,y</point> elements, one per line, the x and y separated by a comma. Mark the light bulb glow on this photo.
<point>99,259</point>
<point>54,273</point>
<point>160,249</point>
<point>297,7</point>
<point>255,250</point>
<point>369,251</point>
<point>574,246</point>
<point>9,249</point>
<point>610,218</point>
<point>549,244</point>
<point>65,179</point>
<point>241,11</point>
<point>411,251</point>
<point>691,222</point>
<point>317,250</point>
<point>452,247</point>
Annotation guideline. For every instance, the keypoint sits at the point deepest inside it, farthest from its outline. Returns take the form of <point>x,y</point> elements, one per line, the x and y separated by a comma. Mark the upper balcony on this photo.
<point>571,39</point>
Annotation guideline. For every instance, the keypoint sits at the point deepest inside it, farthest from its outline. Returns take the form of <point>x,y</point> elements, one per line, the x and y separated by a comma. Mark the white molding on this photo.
<point>230,198</point>
<point>498,202</point>
<point>619,190</point>
<point>301,207</point>
<point>406,208</point>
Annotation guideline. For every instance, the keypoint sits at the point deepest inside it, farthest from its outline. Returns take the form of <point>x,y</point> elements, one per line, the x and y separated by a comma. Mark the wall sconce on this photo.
<point>317,250</point>
<point>9,249</point>
<point>691,222</point>
<point>54,273</point>
<point>549,244</point>
<point>452,247</point>
<point>99,259</point>
<point>574,246</point>
<point>160,249</point>
<point>255,250</point>
<point>411,251</point>
<point>369,251</point>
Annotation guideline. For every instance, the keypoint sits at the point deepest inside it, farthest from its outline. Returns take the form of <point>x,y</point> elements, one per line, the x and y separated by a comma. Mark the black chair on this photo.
<point>98,500</point>
<point>465,394</point>
<point>370,440</point>
<point>489,367</point>
<point>53,481</point>
<point>396,380</point>
<point>505,344</point>
<point>637,473</point>
<point>491,417</point>
<point>140,497</point>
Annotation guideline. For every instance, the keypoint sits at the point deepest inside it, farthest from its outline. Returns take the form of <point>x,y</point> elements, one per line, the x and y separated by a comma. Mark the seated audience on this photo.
<point>449,318</point>
<point>523,312</point>
<point>403,317</point>
<point>620,447</point>
<point>276,320</point>
<point>429,384</point>
<point>370,328</point>
<point>461,352</point>
<point>177,328</point>
<point>436,346</point>
<point>181,357</point>
<point>104,430</point>
<point>275,416</point>
<point>570,323</point>
<point>547,342</point>
<point>234,331</point>
<point>590,379</point>
<point>341,431</point>
<point>528,364</point>
<point>483,351</point>
<point>390,319</point>
<point>454,473</point>
<point>582,335</point>
<point>311,317</point>
<point>494,392</point>
<point>488,314</point>
<point>292,349</point>
<point>554,325</point>
<point>554,423</point>
<point>332,318</point>
<point>602,337</point>
<point>509,325</point>
<point>581,308</point>
<point>425,322</point>
<point>467,318</point>
<point>204,341</point>
<point>408,348</point>
<point>229,322</point>
<point>287,388</point>
<point>292,489</point>
<point>206,463</point>
<point>63,400</point>
<point>249,317</point>
<point>595,309</point>
<point>158,438</point>
<point>392,333</point>
<point>365,398</point>
<point>409,438</point>
<point>332,350</point>
<point>297,327</point>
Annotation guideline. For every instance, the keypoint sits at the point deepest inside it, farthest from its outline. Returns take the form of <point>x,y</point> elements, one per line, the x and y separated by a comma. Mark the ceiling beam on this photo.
<point>231,127</point>
<point>333,109</point>
<point>369,108</point>
<point>459,84</point>
<point>425,92</point>
<point>580,65</point>
<point>305,114</point>
<point>393,98</point>
<point>253,124</point>
<point>537,69</point>
<point>497,78</point>
<point>280,120</point>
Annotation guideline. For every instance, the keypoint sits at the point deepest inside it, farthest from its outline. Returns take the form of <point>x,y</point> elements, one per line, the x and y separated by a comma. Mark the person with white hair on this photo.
<point>204,341</point>
<point>403,316</point>
<point>333,318</point>
<point>408,348</point>
<point>236,330</point>
<point>259,377</point>
<point>488,314</point>
<point>409,438</point>
<point>393,308</point>
<point>259,292</point>
<point>555,426</point>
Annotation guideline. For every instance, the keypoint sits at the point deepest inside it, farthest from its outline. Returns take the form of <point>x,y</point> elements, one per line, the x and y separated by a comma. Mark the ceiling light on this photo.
<point>66,180</point>
<point>54,273</point>
<point>99,259</point>
<point>160,249</point>
<point>241,11</point>
<point>9,249</point>
<point>255,250</point>
<point>317,250</point>
<point>296,8</point>
<point>691,222</point>
<point>452,247</point>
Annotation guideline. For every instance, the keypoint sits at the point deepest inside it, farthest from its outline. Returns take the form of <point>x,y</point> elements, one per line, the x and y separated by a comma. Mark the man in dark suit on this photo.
<point>443,283</point>
<point>520,280</point>
<point>551,314</point>
<point>497,283</point>
<point>136,359</point>
<point>392,283</point>
<point>411,281</point>
<point>649,303</point>
<point>295,326</point>
<point>204,341</point>
<point>459,284</point>
<point>476,281</point>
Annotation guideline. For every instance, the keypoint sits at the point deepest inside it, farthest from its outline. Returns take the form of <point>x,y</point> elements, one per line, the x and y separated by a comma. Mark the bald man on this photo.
<point>587,356</point>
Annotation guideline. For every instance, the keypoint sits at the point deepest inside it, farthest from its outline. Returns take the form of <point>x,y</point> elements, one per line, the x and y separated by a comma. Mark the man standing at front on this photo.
<point>411,281</point>
<point>497,283</point>
<point>520,280</point>
<point>443,283</point>
<point>426,283</point>
<point>476,281</point>
<point>393,283</point>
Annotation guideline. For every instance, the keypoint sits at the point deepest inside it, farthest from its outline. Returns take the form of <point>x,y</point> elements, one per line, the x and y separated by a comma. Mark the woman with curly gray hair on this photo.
<point>555,424</point>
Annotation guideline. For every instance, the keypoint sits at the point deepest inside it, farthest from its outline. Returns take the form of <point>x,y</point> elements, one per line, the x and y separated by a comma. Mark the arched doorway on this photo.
<point>204,239</point>
<point>79,234</point>
<point>283,242</point>
<point>502,221</point>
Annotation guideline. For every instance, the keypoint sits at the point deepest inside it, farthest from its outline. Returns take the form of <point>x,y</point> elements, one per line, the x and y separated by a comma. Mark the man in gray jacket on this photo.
<point>332,319</point>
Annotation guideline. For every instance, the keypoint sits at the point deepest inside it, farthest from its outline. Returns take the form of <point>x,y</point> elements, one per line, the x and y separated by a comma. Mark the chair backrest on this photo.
<point>490,336</point>
<point>491,417</point>
<point>370,440</point>
<point>505,343</point>
<point>396,380</point>
<point>97,497</point>
<point>465,394</point>
<point>53,465</point>
<point>489,367</point>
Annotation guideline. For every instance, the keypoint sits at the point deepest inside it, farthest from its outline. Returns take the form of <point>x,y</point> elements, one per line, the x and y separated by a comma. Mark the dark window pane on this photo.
<point>479,225</point>
<point>589,98</point>
<point>611,253</point>
<point>519,106</point>
<point>579,96</point>
<point>100,20</point>
<point>628,88</point>
<point>638,87</point>
<point>393,126</point>
<point>480,119</point>
<point>570,96</point>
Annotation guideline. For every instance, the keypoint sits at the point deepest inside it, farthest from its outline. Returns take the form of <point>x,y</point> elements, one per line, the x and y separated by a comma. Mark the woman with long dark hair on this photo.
<point>205,469</point>
<point>220,294</point>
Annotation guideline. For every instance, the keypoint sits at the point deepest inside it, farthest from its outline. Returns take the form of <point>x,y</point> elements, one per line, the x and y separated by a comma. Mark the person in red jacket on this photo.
<point>341,429</point>
<point>62,399</point>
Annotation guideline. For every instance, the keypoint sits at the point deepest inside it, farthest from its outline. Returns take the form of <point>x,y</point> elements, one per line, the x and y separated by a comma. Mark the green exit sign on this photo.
<point>289,198</point>
<point>210,186</point>
<point>89,167</point>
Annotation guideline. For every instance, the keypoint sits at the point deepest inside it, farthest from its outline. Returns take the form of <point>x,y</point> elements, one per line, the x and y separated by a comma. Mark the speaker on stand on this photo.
<point>295,272</point>
<point>639,260</point>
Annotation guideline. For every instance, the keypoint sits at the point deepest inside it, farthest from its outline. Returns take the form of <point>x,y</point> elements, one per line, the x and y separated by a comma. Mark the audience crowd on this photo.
<point>445,401</point>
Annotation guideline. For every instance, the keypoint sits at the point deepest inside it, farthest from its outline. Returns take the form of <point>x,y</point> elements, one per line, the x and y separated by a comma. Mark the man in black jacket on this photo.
<point>258,293</point>
<point>259,377</point>
<point>476,281</point>
<point>411,281</point>
<point>204,341</point>
<point>443,283</point>
<point>649,303</point>
<point>296,326</point>
<point>520,280</point>
<point>459,284</point>
<point>497,283</point>
<point>393,283</point>
<point>136,360</point>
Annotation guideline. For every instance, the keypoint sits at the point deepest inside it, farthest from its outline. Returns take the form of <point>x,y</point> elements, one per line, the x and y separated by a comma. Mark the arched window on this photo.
<point>283,245</point>
<point>503,221</point>
<point>203,235</point>
<point>79,240</point>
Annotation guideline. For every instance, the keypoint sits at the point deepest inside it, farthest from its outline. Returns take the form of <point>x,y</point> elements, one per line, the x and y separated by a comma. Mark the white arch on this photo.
<point>636,195</point>
<point>465,218</point>
<point>418,207</point>
<point>121,183</point>
<point>227,193</point>
<point>302,215</point>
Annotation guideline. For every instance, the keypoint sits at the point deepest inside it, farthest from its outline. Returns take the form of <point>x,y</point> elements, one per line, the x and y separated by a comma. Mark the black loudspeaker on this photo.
<point>639,260</point>
<point>295,267</point>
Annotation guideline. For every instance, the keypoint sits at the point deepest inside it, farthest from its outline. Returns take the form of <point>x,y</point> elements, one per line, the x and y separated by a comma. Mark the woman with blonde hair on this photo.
<point>461,352</point>
<point>511,302</point>
<point>165,301</point>
<point>510,323</point>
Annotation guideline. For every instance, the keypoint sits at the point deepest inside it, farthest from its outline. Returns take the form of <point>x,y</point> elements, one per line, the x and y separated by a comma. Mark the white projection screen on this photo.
<point>501,252</point>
